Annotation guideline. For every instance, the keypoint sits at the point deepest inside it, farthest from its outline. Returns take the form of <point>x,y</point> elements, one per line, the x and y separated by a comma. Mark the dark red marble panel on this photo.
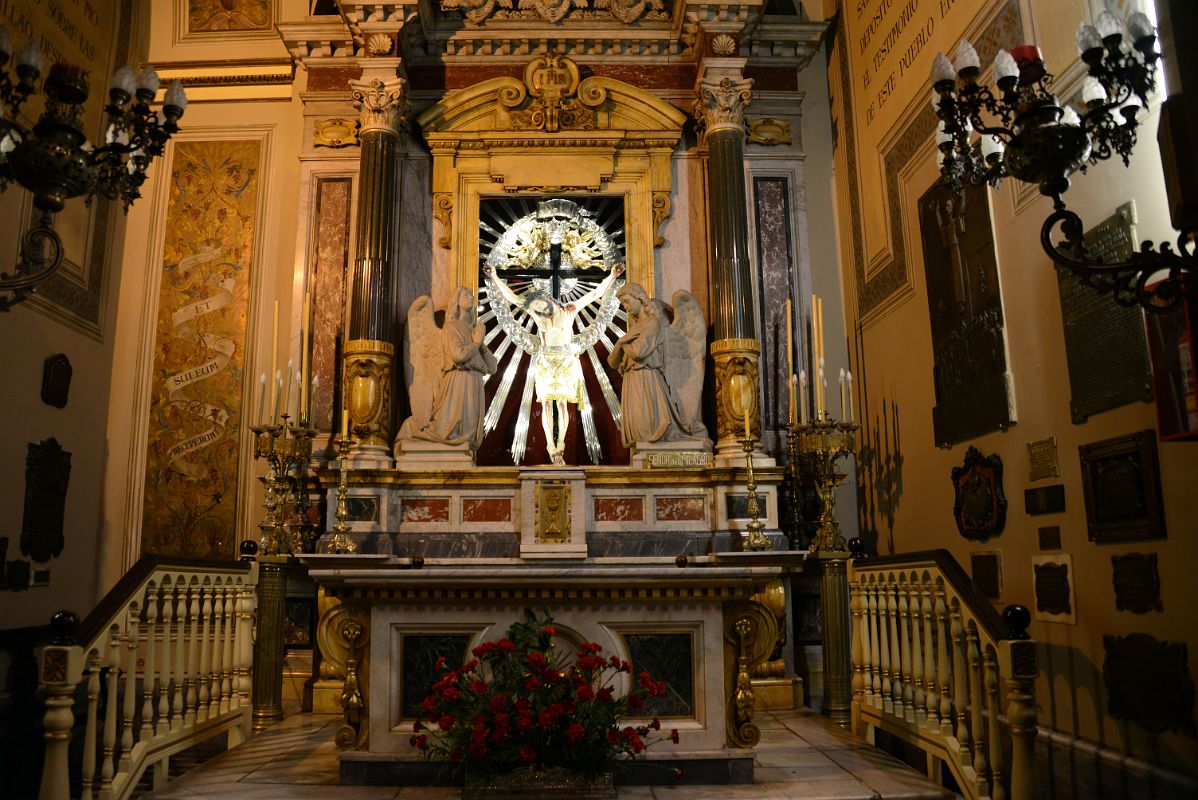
<point>424,509</point>
<point>487,509</point>
<point>619,509</point>
<point>681,509</point>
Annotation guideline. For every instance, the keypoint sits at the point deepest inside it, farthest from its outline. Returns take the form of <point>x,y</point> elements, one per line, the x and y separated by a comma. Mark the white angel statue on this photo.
<point>450,367</point>
<point>662,368</point>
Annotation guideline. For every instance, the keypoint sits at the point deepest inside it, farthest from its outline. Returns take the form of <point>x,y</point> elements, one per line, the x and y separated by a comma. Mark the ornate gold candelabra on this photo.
<point>339,541</point>
<point>756,540</point>
<point>826,440</point>
<point>287,450</point>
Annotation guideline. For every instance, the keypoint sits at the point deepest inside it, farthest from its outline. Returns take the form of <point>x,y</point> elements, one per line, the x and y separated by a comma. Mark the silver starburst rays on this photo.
<point>555,253</point>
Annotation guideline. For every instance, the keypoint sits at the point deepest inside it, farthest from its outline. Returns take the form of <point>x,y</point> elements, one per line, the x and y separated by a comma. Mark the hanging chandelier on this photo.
<point>1028,134</point>
<point>55,162</point>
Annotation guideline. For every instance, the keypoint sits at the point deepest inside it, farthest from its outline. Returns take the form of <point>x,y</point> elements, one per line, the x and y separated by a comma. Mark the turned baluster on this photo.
<point>203,670</point>
<point>876,653</point>
<point>180,664</point>
<point>931,701</point>
<point>889,638</point>
<point>907,709</point>
<point>226,683</point>
<point>148,675</point>
<point>919,715</point>
<point>960,687</point>
<point>943,660</point>
<point>164,670</point>
<point>108,765</point>
<point>218,644</point>
<point>858,649</point>
<point>977,721</point>
<point>867,667</point>
<point>245,643</point>
<point>130,699</point>
<point>193,652</point>
<point>997,792</point>
<point>89,731</point>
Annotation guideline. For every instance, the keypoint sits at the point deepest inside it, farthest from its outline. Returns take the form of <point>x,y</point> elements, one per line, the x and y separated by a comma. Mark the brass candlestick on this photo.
<point>339,541</point>
<point>287,450</point>
<point>827,440</point>
<point>794,495</point>
<point>756,540</point>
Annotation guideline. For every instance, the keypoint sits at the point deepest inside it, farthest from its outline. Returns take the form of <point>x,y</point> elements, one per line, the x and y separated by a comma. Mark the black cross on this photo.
<point>555,272</point>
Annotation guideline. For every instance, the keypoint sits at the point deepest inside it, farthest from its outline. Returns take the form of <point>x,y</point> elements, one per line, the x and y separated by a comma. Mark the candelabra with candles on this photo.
<point>55,162</point>
<point>1034,137</point>
<point>821,439</point>
<point>287,449</point>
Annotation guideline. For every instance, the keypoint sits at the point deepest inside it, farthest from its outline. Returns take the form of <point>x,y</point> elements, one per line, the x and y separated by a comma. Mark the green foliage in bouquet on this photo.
<point>514,705</point>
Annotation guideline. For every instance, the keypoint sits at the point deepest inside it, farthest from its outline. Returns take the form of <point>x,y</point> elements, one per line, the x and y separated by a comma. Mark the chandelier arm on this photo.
<point>35,266</point>
<point>1126,280</point>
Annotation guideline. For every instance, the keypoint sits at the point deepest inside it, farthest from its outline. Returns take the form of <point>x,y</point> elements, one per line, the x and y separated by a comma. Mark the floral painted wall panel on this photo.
<point>199,359</point>
<point>228,15</point>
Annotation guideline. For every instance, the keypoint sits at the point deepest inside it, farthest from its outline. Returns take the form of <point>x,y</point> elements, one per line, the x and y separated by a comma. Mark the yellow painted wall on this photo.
<point>896,362</point>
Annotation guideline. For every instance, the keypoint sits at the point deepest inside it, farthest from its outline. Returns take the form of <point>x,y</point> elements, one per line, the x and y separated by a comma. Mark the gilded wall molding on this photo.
<point>768,131</point>
<point>554,11</point>
<point>335,132</point>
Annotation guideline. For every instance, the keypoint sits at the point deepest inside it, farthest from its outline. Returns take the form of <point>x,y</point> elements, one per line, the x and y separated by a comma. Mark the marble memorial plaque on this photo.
<point>1044,499</point>
<point>1105,344</point>
<point>1050,537</point>
<point>1137,582</point>
<point>1053,582</point>
<point>986,568</point>
<point>1042,459</point>
<point>1148,682</point>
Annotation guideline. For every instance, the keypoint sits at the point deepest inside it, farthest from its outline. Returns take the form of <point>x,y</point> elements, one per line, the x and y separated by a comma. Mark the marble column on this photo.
<point>370,347</point>
<point>723,94</point>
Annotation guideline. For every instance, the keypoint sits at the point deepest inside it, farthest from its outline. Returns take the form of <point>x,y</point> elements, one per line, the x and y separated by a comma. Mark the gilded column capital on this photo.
<point>721,102</point>
<point>382,105</point>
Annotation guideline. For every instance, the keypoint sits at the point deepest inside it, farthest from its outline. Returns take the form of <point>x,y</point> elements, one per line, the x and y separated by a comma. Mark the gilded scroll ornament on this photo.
<point>352,735</point>
<point>736,379</point>
<point>443,213</point>
<point>661,211</point>
<point>769,131</point>
<point>625,11</point>
<point>552,82</point>
<point>368,365</point>
<point>383,105</point>
<point>722,102</point>
<point>750,632</point>
<point>336,132</point>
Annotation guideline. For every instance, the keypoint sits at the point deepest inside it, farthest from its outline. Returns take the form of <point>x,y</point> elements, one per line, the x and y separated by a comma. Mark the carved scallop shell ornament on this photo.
<point>723,45</point>
<point>379,44</point>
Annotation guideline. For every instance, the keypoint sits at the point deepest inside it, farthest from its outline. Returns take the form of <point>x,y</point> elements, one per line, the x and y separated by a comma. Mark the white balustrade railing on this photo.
<point>937,666</point>
<point>164,662</point>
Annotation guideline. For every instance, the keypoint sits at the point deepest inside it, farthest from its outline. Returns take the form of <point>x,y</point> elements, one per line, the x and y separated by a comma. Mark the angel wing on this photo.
<point>686,347</point>
<point>422,351</point>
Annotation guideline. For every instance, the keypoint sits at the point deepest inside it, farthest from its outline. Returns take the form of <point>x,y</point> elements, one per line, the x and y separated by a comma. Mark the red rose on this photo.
<point>546,718</point>
<point>589,648</point>
<point>478,686</point>
<point>506,646</point>
<point>523,702</point>
<point>533,683</point>
<point>469,665</point>
<point>452,694</point>
<point>536,659</point>
<point>645,680</point>
<point>498,703</point>
<point>548,631</point>
<point>440,665</point>
<point>499,735</point>
<point>483,649</point>
<point>674,735</point>
<point>552,675</point>
<point>575,732</point>
<point>635,702</point>
<point>661,688</point>
<point>524,724</point>
<point>420,741</point>
<point>655,724</point>
<point>586,693</point>
<point>446,722</point>
<point>479,734</point>
<point>430,703</point>
<point>456,754</point>
<point>604,695</point>
<point>478,749</point>
<point>527,754</point>
<point>613,736</point>
<point>502,720</point>
<point>417,726</point>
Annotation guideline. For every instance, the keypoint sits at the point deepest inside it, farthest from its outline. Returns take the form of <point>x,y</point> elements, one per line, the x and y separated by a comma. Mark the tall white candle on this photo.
<point>746,401</point>
<point>296,392</point>
<point>345,423</point>
<point>842,401</point>
<point>792,398</point>
<point>287,392</point>
<point>802,397</point>
<point>819,391</point>
<point>274,355</point>
<point>790,344</point>
<point>849,394</point>
<point>261,418</point>
<point>276,397</point>
<point>315,388</point>
<point>305,359</point>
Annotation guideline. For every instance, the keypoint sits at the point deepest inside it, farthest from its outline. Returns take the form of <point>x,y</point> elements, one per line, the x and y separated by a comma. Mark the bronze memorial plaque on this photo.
<point>985,566</point>
<point>1148,682</point>
<point>1105,344</point>
<point>1044,499</point>
<point>1042,459</point>
<point>1137,582</point>
<point>1053,582</point>
<point>1050,537</point>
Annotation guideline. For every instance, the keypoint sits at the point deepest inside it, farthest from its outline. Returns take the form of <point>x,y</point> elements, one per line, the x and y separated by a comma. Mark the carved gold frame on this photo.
<point>617,140</point>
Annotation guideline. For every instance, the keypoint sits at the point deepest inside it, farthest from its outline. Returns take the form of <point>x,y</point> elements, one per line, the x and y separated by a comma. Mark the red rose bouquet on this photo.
<point>516,705</point>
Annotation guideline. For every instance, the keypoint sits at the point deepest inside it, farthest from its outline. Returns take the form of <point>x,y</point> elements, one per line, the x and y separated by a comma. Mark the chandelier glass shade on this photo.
<point>53,159</point>
<point>1019,128</point>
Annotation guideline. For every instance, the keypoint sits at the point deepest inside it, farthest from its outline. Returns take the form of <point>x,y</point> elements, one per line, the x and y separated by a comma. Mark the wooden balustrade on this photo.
<point>933,661</point>
<point>165,663</point>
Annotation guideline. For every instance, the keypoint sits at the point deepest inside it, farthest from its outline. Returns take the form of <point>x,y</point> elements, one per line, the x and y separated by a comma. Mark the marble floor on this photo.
<point>800,756</point>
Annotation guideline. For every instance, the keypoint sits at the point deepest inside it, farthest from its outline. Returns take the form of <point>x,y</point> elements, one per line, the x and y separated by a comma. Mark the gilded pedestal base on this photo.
<point>737,396</point>
<point>368,369</point>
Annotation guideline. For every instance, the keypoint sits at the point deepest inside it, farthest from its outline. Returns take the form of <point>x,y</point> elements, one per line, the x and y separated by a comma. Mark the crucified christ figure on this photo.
<point>558,373</point>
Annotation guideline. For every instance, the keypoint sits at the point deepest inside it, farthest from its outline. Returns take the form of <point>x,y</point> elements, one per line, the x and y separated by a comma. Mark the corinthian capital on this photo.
<point>383,104</point>
<point>722,102</point>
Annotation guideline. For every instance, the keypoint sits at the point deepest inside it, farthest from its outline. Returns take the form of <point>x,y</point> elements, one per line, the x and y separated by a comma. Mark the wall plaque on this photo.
<point>1053,581</point>
<point>986,568</point>
<point>56,380</point>
<point>968,338</point>
<point>1148,682</point>
<point>47,473</point>
<point>1105,346</point>
<point>1122,488</point>
<point>1044,499</point>
<point>1050,537</point>
<point>1042,459</point>
<point>1137,582</point>
<point>980,508</point>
